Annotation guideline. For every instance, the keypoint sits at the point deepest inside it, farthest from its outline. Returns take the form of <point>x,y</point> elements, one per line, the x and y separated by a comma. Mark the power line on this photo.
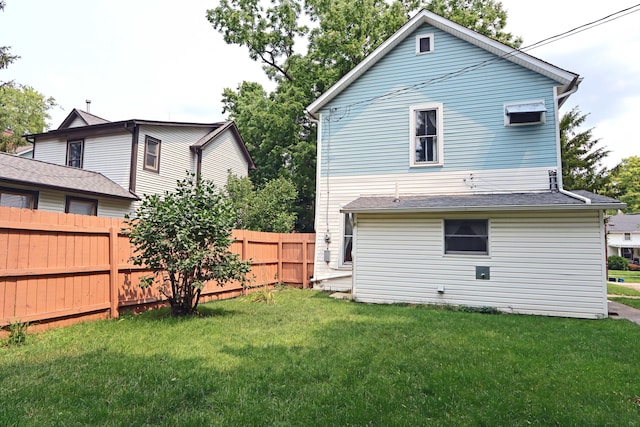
<point>606,19</point>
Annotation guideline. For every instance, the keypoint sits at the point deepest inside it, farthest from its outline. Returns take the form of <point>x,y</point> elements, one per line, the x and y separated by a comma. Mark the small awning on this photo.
<point>535,107</point>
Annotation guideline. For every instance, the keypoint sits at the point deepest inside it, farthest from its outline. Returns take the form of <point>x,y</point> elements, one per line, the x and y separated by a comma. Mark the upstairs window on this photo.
<point>627,236</point>
<point>75,153</point>
<point>525,113</point>
<point>426,135</point>
<point>466,236</point>
<point>14,198</point>
<point>424,44</point>
<point>152,154</point>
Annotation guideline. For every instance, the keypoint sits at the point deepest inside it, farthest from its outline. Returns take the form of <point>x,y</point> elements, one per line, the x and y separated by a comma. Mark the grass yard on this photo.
<point>628,276</point>
<point>615,289</point>
<point>309,360</point>
<point>631,302</point>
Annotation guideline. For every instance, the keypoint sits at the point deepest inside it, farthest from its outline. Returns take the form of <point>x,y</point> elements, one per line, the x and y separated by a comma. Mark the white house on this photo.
<point>139,156</point>
<point>623,236</point>
<point>439,182</point>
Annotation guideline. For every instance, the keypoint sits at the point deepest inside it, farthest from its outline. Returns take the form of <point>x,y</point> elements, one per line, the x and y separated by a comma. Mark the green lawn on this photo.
<point>309,360</point>
<point>631,302</point>
<point>628,276</point>
<point>615,289</point>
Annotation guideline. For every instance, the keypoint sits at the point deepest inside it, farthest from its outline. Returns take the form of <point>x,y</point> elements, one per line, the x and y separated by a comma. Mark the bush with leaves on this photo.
<point>184,237</point>
<point>616,262</point>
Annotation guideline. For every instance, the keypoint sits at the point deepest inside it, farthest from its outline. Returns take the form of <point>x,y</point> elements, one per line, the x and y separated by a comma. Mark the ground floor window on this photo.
<point>15,198</point>
<point>466,236</point>
<point>81,206</point>
<point>347,244</point>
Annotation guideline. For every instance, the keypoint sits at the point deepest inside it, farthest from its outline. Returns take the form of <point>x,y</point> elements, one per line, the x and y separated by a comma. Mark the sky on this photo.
<point>162,60</point>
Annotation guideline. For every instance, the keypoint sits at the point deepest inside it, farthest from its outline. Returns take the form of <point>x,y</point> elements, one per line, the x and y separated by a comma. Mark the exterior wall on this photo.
<point>77,122</point>
<point>108,154</point>
<point>221,156</point>
<point>548,263</point>
<point>364,140</point>
<point>176,159</point>
<point>54,201</point>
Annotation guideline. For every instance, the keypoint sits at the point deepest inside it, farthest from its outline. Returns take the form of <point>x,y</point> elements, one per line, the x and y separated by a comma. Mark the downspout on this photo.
<point>133,171</point>
<point>559,100</point>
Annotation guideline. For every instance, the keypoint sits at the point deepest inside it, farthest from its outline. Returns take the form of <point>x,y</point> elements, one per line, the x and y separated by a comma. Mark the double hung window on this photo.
<point>75,153</point>
<point>426,135</point>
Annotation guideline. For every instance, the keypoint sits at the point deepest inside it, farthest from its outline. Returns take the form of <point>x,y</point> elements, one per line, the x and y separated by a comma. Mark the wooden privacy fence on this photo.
<point>61,268</point>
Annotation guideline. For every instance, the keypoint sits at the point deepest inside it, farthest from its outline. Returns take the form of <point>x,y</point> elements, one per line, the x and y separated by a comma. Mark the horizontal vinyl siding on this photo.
<point>344,189</point>
<point>221,156</point>
<point>176,158</point>
<point>109,155</point>
<point>54,201</point>
<point>371,135</point>
<point>541,263</point>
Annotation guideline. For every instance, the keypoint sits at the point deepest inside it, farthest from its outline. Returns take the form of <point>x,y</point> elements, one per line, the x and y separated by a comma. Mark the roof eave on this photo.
<point>585,206</point>
<point>564,77</point>
<point>131,196</point>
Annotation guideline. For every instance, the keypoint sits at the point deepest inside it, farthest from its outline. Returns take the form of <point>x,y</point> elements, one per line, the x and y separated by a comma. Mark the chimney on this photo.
<point>88,101</point>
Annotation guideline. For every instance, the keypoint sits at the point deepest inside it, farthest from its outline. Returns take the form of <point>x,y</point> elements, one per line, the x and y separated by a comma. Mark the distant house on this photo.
<point>623,236</point>
<point>439,180</point>
<point>25,151</point>
<point>139,156</point>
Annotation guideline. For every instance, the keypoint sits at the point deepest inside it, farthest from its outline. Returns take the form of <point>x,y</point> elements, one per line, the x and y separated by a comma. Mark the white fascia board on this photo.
<point>560,75</point>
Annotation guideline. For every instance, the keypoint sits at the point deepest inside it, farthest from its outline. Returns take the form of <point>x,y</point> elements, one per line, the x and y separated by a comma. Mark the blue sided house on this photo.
<point>439,180</point>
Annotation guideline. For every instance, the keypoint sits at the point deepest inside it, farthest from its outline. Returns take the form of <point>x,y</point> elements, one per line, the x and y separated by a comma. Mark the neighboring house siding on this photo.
<point>77,122</point>
<point>176,159</point>
<point>221,156</point>
<point>546,263</point>
<point>367,136</point>
<point>51,150</point>
<point>109,155</point>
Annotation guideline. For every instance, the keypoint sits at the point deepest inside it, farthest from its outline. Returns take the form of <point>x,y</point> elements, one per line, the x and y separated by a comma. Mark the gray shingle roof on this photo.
<point>622,223</point>
<point>23,171</point>
<point>480,202</point>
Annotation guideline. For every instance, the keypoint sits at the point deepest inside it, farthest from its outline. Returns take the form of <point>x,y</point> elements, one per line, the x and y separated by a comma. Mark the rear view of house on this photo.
<point>439,180</point>
<point>134,157</point>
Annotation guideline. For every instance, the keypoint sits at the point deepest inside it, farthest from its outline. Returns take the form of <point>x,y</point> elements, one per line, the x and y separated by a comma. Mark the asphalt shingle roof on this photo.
<point>622,223</point>
<point>37,173</point>
<point>448,202</point>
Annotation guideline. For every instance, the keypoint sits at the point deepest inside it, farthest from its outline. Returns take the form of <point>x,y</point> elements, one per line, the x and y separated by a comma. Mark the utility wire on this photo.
<point>606,19</point>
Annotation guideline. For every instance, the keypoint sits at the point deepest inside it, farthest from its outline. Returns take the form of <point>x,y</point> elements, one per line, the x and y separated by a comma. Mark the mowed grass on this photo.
<point>628,276</point>
<point>631,302</point>
<point>309,360</point>
<point>614,289</point>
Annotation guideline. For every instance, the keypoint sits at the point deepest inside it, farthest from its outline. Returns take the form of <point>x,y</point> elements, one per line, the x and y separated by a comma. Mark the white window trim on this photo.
<point>343,263</point>
<point>625,237</point>
<point>509,104</point>
<point>439,107</point>
<point>432,45</point>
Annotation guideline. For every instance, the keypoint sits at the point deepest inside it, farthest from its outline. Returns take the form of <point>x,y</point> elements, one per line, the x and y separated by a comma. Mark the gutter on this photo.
<point>575,196</point>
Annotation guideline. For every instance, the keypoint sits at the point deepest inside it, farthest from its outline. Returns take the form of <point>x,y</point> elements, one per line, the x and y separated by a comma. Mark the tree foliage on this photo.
<point>270,208</point>
<point>625,183</point>
<point>184,237</point>
<point>340,35</point>
<point>581,158</point>
<point>23,110</point>
<point>6,57</point>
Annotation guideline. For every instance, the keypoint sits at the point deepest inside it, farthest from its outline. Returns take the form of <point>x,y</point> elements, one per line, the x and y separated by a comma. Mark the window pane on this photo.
<point>75,154</point>
<point>23,201</point>
<point>348,239</point>
<point>431,122</point>
<point>470,236</point>
<point>151,161</point>
<point>82,207</point>
<point>425,44</point>
<point>420,123</point>
<point>152,147</point>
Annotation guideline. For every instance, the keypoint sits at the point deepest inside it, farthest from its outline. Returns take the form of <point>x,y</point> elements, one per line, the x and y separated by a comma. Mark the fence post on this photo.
<point>305,279</point>
<point>280,255</point>
<point>114,270</point>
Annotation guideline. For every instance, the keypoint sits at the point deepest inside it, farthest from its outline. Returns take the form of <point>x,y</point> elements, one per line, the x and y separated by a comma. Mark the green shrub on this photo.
<point>618,263</point>
<point>17,333</point>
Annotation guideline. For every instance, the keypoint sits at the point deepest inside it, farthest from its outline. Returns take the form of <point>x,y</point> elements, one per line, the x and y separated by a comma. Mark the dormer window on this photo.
<point>525,113</point>
<point>424,44</point>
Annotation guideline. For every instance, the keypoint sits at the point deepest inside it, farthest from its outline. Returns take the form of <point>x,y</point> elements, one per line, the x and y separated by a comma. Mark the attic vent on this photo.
<point>525,113</point>
<point>424,44</point>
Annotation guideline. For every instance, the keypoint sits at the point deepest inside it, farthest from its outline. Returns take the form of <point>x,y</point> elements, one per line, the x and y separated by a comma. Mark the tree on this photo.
<point>625,183</point>
<point>184,237</point>
<point>581,160</point>
<point>270,208</point>
<point>343,33</point>
<point>23,110</point>
<point>6,57</point>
